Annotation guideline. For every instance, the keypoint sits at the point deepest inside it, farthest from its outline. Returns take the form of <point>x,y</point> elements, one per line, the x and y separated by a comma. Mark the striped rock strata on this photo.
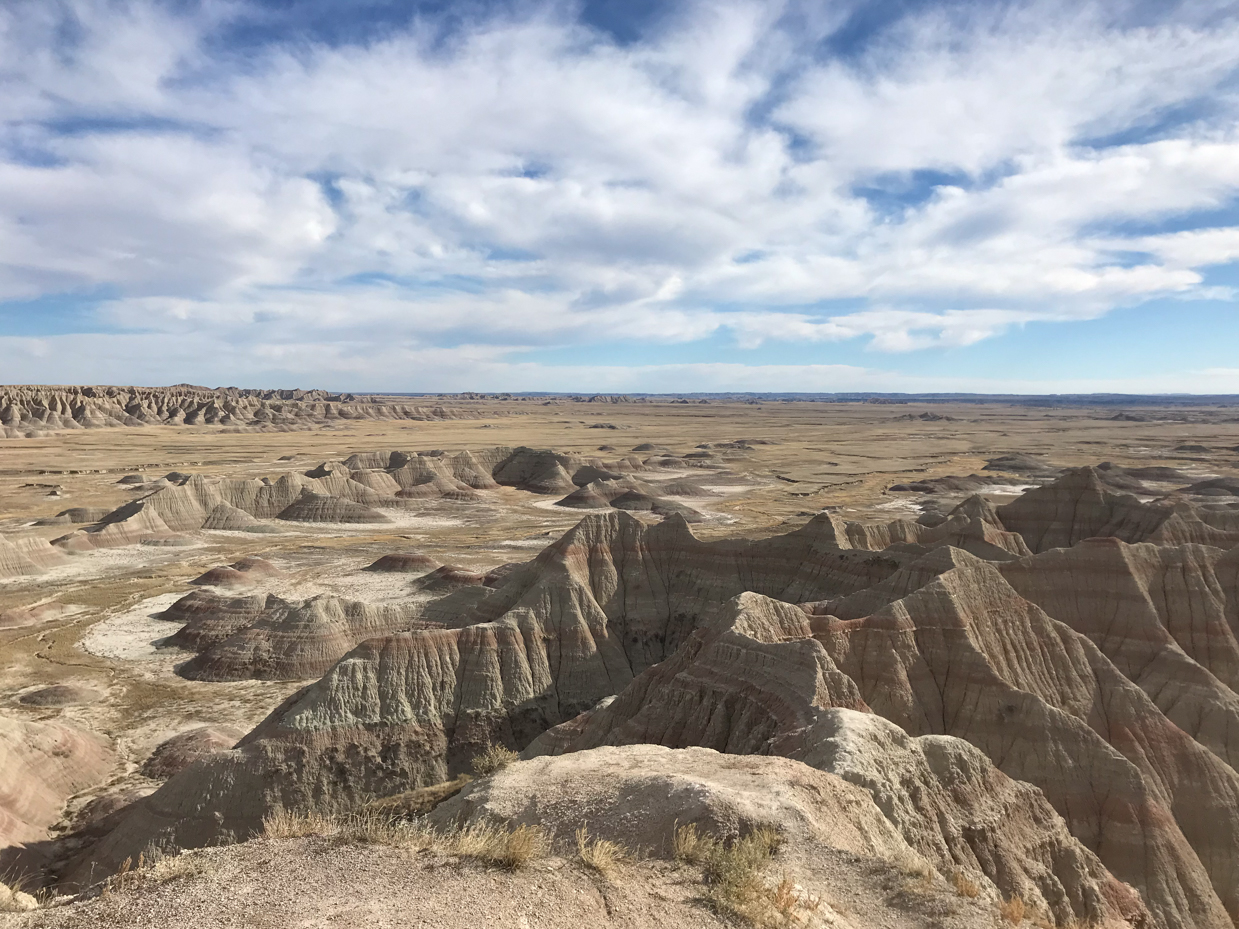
<point>965,656</point>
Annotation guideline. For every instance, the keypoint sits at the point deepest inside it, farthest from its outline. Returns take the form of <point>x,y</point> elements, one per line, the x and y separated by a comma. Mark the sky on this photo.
<point>621,195</point>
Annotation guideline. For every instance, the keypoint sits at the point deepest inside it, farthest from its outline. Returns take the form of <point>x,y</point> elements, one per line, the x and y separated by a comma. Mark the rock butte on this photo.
<point>29,412</point>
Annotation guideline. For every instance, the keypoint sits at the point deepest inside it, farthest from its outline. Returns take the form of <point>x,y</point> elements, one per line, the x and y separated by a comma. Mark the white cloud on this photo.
<point>527,182</point>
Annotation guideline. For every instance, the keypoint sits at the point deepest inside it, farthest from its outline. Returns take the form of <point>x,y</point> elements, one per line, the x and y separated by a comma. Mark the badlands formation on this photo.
<point>973,665</point>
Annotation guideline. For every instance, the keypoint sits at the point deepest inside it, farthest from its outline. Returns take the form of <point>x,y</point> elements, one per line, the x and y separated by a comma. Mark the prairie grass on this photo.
<point>735,883</point>
<point>601,855</point>
<point>1012,910</point>
<point>420,801</point>
<point>493,758</point>
<point>964,885</point>
<point>491,844</point>
<point>292,824</point>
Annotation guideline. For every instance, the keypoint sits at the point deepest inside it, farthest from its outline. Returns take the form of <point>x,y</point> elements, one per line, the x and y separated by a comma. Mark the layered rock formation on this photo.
<point>35,411</point>
<point>44,764</point>
<point>1058,724</point>
<point>174,755</point>
<point>869,789</point>
<point>265,637</point>
<point>966,656</point>
<point>24,556</point>
<point>1080,506</point>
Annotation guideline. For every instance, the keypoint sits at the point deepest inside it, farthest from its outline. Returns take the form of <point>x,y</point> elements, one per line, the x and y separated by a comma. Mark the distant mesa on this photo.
<point>132,479</point>
<point>1192,449</point>
<point>29,412</point>
<point>925,418</point>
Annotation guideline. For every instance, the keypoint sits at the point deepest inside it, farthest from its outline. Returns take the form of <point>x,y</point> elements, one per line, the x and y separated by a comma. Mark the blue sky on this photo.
<point>910,195</point>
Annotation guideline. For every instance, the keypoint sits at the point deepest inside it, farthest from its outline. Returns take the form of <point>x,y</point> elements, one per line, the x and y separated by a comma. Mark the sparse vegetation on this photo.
<point>418,802</point>
<point>601,855</point>
<point>735,883</point>
<point>964,885</point>
<point>493,758</point>
<point>920,873</point>
<point>497,846</point>
<point>1012,910</point>
<point>291,824</point>
<point>490,844</point>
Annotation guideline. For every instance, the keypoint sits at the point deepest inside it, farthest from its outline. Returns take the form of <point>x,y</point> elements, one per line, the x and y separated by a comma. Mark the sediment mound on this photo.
<point>229,518</point>
<point>323,508</point>
<point>208,618</point>
<point>280,640</point>
<point>446,578</point>
<point>174,755</point>
<point>26,556</point>
<point>341,491</point>
<point>406,563</point>
<point>243,573</point>
<point>58,695</point>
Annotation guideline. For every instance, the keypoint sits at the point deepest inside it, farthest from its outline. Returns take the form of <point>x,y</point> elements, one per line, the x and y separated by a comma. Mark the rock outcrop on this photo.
<point>174,755</point>
<point>1079,506</point>
<point>963,656</point>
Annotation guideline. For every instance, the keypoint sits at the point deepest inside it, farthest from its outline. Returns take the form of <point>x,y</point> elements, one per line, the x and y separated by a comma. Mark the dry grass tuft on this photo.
<point>964,885</point>
<point>920,873</point>
<point>495,845</point>
<point>1012,910</point>
<point>491,844</point>
<point>291,824</point>
<point>601,855</point>
<point>175,867</point>
<point>493,758</point>
<point>420,801</point>
<point>734,879</point>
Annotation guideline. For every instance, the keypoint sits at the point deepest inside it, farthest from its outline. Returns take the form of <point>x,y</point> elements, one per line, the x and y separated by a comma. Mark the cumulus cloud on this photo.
<point>521,180</point>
